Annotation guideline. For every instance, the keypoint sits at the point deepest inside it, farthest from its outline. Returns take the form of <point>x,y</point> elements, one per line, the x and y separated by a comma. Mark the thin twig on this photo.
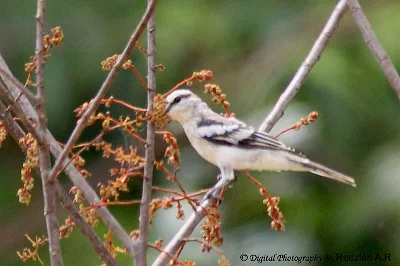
<point>82,122</point>
<point>17,133</point>
<point>140,257</point>
<point>374,46</point>
<point>49,193</point>
<point>305,68</point>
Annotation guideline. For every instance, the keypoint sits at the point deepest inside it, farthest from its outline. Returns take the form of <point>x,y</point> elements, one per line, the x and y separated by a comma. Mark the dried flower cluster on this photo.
<point>109,63</point>
<point>182,263</point>
<point>159,244</point>
<point>218,97</point>
<point>32,254</point>
<point>111,192</point>
<point>111,247</point>
<point>196,76</point>
<point>305,121</point>
<point>156,204</point>
<point>82,109</point>
<point>134,234</point>
<point>202,75</point>
<point>210,230</point>
<point>172,152</point>
<point>31,162</point>
<point>56,39</point>
<point>278,222</point>
<point>158,117</point>
<point>3,133</point>
<point>67,228</point>
<point>79,162</point>
<point>49,41</point>
<point>79,197</point>
<point>89,215</point>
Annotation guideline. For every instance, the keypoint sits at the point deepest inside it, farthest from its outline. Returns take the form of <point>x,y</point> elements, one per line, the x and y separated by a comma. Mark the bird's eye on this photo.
<point>177,99</point>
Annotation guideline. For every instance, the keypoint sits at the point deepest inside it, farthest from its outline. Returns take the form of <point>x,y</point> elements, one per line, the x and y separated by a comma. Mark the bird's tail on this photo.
<point>321,170</point>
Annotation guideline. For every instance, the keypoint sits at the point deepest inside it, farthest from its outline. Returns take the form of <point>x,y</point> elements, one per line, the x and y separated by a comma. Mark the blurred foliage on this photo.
<point>254,48</point>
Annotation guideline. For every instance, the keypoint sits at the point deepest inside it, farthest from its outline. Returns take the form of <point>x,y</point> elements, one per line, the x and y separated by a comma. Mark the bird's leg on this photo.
<point>225,178</point>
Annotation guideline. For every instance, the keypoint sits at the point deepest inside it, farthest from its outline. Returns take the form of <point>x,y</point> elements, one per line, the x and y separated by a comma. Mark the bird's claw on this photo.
<point>235,177</point>
<point>211,194</point>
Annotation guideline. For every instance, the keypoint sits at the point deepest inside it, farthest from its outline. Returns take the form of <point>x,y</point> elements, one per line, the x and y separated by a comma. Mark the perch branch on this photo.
<point>302,73</point>
<point>374,46</point>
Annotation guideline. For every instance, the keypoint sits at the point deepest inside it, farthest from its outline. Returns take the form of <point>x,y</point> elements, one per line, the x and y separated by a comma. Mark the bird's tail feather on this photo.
<point>321,170</point>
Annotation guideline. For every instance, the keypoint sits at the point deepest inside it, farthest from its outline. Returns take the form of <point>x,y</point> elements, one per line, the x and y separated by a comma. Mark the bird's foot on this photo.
<point>235,177</point>
<point>213,194</point>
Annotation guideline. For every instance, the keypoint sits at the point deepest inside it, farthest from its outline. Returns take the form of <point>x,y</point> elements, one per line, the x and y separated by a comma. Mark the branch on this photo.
<point>305,68</point>
<point>49,193</point>
<point>17,133</point>
<point>140,258</point>
<point>28,116</point>
<point>82,122</point>
<point>374,46</point>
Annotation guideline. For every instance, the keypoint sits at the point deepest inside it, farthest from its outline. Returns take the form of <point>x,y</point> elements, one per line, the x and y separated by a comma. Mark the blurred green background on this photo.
<point>254,48</point>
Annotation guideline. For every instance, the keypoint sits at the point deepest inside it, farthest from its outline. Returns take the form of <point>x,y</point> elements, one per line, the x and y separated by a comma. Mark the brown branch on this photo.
<point>374,46</point>
<point>140,257</point>
<point>82,122</point>
<point>305,68</point>
<point>49,193</point>
<point>17,133</point>
<point>25,111</point>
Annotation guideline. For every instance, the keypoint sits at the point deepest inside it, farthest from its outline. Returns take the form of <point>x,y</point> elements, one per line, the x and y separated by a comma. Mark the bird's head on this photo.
<point>182,105</point>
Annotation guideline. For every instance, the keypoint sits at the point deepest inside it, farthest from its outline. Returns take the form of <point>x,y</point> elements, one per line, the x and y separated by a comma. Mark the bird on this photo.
<point>232,145</point>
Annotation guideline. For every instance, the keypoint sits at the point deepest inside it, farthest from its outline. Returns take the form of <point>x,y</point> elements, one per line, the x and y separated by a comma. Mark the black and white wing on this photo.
<point>230,131</point>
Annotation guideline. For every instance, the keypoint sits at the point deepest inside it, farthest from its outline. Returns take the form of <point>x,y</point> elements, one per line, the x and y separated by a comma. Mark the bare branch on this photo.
<point>374,46</point>
<point>305,68</point>
<point>17,133</point>
<point>49,193</point>
<point>102,91</point>
<point>140,258</point>
<point>28,116</point>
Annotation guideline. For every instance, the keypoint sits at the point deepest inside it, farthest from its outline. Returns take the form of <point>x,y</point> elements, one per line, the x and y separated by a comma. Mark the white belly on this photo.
<point>244,159</point>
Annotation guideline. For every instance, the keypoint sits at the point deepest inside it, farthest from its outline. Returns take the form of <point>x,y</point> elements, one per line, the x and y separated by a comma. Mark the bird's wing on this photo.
<point>231,131</point>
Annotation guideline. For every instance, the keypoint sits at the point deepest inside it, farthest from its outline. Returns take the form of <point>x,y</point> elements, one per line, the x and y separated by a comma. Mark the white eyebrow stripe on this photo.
<point>216,129</point>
